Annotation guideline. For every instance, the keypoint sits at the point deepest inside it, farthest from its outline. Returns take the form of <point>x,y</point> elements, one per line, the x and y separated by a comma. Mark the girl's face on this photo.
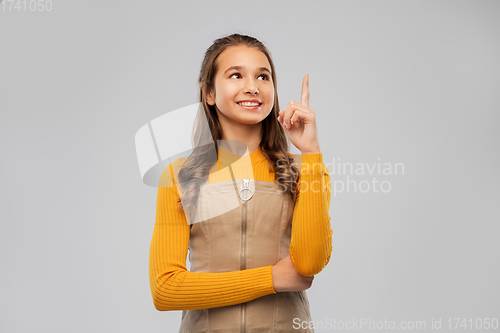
<point>243,74</point>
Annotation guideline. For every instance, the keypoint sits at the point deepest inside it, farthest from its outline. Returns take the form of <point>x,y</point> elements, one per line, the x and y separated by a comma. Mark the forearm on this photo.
<point>184,290</point>
<point>311,243</point>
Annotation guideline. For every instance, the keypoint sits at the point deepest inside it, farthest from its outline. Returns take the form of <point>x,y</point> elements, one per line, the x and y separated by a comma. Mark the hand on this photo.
<point>299,122</point>
<point>286,277</point>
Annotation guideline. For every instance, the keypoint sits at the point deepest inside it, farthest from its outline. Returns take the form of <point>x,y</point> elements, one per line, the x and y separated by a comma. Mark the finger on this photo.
<point>280,118</point>
<point>281,115</point>
<point>299,115</point>
<point>295,119</point>
<point>292,107</point>
<point>287,114</point>
<point>305,90</point>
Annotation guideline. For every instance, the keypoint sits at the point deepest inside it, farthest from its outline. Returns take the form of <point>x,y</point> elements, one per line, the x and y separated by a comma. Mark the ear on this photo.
<point>210,99</point>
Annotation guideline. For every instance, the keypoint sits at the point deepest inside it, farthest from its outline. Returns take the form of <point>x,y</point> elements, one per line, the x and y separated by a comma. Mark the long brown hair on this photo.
<point>274,144</point>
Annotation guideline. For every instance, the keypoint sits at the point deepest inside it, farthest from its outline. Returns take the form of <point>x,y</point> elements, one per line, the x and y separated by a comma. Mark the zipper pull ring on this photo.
<point>246,186</point>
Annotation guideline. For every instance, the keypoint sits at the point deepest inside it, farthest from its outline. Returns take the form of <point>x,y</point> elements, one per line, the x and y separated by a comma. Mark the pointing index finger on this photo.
<point>305,91</point>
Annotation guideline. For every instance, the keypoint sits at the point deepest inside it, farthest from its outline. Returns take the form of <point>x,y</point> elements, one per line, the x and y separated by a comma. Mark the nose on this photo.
<point>251,87</point>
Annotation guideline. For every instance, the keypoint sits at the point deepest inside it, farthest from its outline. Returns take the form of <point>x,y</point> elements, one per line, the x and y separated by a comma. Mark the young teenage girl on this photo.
<point>250,262</point>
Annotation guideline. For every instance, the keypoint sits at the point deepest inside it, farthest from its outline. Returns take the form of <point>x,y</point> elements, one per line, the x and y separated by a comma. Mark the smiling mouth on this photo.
<point>250,107</point>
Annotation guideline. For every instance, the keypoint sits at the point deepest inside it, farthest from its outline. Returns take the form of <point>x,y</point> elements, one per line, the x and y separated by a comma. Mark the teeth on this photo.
<point>248,103</point>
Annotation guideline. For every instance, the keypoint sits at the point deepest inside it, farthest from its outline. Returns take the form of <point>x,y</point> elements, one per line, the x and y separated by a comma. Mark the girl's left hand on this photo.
<point>299,122</point>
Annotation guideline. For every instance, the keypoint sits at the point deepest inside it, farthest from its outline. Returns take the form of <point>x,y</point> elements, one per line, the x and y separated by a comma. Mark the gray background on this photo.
<point>413,82</point>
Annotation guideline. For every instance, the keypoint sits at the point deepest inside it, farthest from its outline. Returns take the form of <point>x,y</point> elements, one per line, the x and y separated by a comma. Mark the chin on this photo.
<point>249,121</point>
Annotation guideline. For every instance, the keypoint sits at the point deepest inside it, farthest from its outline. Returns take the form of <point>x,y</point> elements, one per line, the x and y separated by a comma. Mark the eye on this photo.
<point>266,77</point>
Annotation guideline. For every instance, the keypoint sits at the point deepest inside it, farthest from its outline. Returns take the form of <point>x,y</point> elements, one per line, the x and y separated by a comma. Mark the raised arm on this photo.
<point>311,243</point>
<point>173,287</point>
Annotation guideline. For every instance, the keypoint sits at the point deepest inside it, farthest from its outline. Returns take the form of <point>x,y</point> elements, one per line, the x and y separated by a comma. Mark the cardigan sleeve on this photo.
<point>173,287</point>
<point>311,242</point>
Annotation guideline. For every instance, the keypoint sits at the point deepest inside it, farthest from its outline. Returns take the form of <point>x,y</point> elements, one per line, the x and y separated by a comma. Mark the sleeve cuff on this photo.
<point>312,164</point>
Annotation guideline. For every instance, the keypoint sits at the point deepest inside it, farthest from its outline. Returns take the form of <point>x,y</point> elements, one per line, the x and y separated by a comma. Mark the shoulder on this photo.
<point>297,158</point>
<point>169,175</point>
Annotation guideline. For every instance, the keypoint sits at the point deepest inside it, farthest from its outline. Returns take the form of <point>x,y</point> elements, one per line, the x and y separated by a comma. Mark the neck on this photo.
<point>238,134</point>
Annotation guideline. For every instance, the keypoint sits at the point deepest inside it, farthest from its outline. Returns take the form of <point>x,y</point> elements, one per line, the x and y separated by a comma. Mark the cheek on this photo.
<point>270,96</point>
<point>225,95</point>
<point>270,92</point>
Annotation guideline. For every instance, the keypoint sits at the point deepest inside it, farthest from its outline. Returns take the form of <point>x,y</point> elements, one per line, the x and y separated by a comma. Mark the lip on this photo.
<point>250,100</point>
<point>249,107</point>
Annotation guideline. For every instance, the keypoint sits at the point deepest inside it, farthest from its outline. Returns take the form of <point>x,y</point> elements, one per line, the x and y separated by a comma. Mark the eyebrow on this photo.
<point>239,68</point>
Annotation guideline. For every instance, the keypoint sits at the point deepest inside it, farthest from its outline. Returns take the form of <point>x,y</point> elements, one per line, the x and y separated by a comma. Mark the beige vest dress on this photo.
<point>243,224</point>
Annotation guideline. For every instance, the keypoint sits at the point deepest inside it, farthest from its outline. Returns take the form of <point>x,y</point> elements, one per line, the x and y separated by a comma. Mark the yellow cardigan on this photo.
<point>173,287</point>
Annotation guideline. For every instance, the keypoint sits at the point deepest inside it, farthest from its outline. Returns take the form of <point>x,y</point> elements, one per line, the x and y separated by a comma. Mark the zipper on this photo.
<point>244,197</point>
